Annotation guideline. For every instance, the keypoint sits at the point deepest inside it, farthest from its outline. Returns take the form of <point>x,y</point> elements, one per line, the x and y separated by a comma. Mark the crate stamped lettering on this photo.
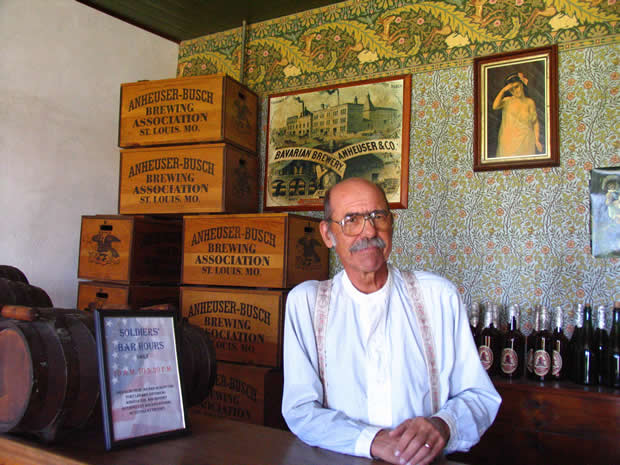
<point>269,250</point>
<point>188,110</point>
<point>244,324</point>
<point>207,178</point>
<point>245,393</point>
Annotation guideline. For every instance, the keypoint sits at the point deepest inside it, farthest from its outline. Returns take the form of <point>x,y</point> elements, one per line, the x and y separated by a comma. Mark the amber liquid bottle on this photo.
<point>613,354</point>
<point>543,350</point>
<point>489,344</point>
<point>560,362</point>
<point>586,363</point>
<point>531,343</point>
<point>513,342</point>
<point>601,343</point>
<point>575,341</point>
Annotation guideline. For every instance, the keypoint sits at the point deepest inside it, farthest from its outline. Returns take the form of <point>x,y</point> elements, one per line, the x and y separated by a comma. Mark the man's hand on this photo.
<point>416,441</point>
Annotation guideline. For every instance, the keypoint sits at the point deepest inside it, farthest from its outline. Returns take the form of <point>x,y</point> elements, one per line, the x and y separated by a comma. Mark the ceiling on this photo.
<point>179,20</point>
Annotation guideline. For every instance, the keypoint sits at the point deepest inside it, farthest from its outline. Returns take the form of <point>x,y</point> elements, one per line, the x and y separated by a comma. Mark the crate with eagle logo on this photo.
<point>97,294</point>
<point>187,110</point>
<point>184,179</point>
<point>267,250</point>
<point>130,249</point>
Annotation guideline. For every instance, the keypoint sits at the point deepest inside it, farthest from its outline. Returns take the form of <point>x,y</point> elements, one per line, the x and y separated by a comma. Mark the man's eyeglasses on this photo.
<point>352,225</point>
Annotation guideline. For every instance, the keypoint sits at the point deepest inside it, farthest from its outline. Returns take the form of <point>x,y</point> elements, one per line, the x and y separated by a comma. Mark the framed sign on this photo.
<point>140,376</point>
<point>318,137</point>
<point>516,110</point>
<point>605,212</point>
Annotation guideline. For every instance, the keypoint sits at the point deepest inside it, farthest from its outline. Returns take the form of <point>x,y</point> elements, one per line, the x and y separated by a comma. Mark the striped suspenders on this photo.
<point>321,313</point>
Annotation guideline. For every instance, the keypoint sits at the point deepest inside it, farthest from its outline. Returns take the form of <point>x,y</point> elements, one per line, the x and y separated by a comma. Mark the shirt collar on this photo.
<point>373,297</point>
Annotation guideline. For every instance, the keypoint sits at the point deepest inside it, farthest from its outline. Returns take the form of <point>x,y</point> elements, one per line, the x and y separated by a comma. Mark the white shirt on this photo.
<point>375,371</point>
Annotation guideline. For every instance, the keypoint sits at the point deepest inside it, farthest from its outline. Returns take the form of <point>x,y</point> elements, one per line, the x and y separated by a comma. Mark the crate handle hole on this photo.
<point>102,295</point>
<point>308,229</point>
<point>105,227</point>
<point>241,96</point>
<point>241,162</point>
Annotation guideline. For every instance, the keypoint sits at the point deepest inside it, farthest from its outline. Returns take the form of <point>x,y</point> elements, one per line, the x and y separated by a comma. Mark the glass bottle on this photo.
<point>613,354</point>
<point>531,342</point>
<point>543,350</point>
<point>585,355</point>
<point>513,342</point>
<point>489,343</point>
<point>474,320</point>
<point>575,341</point>
<point>560,363</point>
<point>601,342</point>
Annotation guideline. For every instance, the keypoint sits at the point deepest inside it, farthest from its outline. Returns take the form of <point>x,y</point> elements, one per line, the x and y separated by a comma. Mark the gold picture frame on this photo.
<point>317,137</point>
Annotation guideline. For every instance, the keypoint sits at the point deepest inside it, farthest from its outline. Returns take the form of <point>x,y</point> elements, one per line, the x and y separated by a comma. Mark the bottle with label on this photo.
<point>560,363</point>
<point>543,350</point>
<point>513,342</point>
<point>585,355</point>
<point>474,320</point>
<point>601,343</point>
<point>489,343</point>
<point>613,354</point>
<point>531,342</point>
<point>575,341</point>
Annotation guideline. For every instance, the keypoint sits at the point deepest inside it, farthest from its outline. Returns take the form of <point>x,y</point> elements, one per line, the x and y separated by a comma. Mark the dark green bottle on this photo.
<point>586,362</point>
<point>575,341</point>
<point>601,343</point>
<point>613,353</point>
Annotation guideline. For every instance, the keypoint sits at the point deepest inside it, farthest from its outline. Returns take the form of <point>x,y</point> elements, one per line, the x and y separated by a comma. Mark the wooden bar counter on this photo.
<point>213,441</point>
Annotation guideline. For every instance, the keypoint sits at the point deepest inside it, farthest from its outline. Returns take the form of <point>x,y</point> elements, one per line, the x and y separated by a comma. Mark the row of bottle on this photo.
<point>590,357</point>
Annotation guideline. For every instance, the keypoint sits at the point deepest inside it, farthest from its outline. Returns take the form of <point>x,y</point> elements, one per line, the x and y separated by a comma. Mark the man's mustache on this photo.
<point>366,243</point>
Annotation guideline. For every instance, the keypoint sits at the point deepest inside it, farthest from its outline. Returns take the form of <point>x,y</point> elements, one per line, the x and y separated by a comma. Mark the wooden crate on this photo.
<point>273,250</point>
<point>185,110</point>
<point>208,178</point>
<point>93,294</point>
<point>130,249</point>
<point>245,393</point>
<point>245,325</point>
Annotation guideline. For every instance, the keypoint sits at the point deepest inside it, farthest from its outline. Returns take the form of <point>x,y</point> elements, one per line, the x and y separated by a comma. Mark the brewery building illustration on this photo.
<point>332,128</point>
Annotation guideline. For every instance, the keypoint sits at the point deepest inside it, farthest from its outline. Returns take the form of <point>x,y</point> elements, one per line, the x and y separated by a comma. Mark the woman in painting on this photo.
<point>519,132</point>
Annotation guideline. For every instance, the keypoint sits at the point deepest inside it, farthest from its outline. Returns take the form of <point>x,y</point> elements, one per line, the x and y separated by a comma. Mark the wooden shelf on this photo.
<point>551,422</point>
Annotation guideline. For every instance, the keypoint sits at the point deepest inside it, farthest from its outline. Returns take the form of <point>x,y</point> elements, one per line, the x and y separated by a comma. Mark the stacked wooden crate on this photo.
<point>260,256</point>
<point>187,146</point>
<point>189,159</point>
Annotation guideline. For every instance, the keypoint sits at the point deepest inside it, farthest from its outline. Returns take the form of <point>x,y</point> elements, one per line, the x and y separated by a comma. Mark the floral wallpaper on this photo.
<point>513,236</point>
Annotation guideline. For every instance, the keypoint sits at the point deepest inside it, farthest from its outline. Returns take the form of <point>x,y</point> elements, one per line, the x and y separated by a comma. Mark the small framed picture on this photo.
<point>605,212</point>
<point>142,394</point>
<point>516,110</point>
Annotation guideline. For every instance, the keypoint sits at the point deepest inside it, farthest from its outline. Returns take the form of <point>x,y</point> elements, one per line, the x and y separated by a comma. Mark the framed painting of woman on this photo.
<point>516,110</point>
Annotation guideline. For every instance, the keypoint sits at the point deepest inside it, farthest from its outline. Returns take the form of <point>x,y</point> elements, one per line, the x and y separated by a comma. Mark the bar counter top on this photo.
<point>213,441</point>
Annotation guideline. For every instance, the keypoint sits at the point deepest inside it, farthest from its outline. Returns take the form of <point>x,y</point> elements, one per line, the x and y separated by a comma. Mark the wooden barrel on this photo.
<point>20,293</point>
<point>49,381</point>
<point>48,374</point>
<point>199,364</point>
<point>12,273</point>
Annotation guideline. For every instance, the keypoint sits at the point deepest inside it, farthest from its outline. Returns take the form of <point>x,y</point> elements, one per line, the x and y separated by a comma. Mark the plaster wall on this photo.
<point>61,66</point>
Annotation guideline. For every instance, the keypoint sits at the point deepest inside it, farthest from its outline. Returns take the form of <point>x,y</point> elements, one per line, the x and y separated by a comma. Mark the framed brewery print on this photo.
<point>516,110</point>
<point>142,395</point>
<point>317,137</point>
<point>605,212</point>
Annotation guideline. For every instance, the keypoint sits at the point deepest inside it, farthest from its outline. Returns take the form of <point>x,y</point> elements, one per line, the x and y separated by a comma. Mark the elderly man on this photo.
<point>379,362</point>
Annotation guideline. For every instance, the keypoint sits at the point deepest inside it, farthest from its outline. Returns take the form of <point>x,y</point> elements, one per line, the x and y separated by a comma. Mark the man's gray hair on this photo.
<point>327,207</point>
